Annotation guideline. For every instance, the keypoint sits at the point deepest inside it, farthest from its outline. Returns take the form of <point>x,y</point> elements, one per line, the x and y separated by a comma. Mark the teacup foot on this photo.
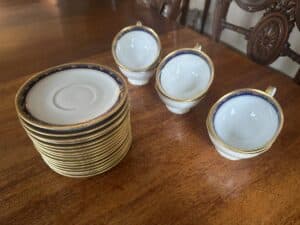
<point>177,110</point>
<point>138,82</point>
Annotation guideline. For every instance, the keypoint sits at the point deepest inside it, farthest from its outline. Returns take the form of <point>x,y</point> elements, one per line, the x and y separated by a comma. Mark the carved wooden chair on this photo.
<point>268,39</point>
<point>178,10</point>
<point>172,9</point>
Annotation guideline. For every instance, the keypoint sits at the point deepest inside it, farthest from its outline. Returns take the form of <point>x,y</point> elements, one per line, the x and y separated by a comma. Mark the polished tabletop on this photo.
<point>172,174</point>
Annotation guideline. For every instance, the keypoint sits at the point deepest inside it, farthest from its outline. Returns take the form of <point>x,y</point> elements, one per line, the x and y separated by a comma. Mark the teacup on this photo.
<point>183,77</point>
<point>136,50</point>
<point>245,123</point>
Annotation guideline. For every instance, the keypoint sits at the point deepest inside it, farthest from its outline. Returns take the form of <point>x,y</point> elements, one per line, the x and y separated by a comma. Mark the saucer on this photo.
<point>70,96</point>
<point>77,117</point>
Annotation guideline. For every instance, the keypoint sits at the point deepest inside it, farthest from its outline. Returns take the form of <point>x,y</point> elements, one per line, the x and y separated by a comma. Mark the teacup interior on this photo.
<point>185,75</point>
<point>246,121</point>
<point>72,96</point>
<point>137,49</point>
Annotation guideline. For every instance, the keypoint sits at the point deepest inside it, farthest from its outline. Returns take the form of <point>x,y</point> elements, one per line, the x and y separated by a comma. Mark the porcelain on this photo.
<point>77,117</point>
<point>71,97</point>
<point>183,77</point>
<point>245,123</point>
<point>136,50</point>
<point>175,106</point>
<point>71,135</point>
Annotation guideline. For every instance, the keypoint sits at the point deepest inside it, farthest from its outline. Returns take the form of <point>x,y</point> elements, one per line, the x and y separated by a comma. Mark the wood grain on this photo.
<point>172,175</point>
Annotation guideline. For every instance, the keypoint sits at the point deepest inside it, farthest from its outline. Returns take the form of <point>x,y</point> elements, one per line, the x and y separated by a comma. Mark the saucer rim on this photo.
<point>24,114</point>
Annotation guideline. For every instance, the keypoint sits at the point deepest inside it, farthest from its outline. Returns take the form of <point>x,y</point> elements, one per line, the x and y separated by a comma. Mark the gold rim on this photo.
<point>94,160</point>
<point>81,145</point>
<point>85,154</point>
<point>81,139</point>
<point>198,51</point>
<point>83,151</point>
<point>218,139</point>
<point>94,129</point>
<point>72,139</point>
<point>89,158</point>
<point>26,116</point>
<point>128,29</point>
<point>92,171</point>
<point>93,164</point>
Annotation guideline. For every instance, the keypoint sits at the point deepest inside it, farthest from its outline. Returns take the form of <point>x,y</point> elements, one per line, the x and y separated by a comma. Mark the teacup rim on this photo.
<point>219,140</point>
<point>128,29</point>
<point>197,49</point>
<point>33,79</point>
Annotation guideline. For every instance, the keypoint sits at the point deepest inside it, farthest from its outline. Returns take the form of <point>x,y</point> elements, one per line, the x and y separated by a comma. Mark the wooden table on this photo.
<point>172,175</point>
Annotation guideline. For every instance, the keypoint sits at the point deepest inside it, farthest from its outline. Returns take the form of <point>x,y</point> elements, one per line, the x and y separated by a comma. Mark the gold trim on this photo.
<point>96,128</point>
<point>79,151</point>
<point>93,170</point>
<point>85,152</point>
<point>90,158</point>
<point>198,47</point>
<point>79,145</point>
<point>198,50</point>
<point>271,90</point>
<point>215,136</point>
<point>76,140</point>
<point>26,116</point>
<point>127,29</point>
<point>139,23</point>
<point>96,155</point>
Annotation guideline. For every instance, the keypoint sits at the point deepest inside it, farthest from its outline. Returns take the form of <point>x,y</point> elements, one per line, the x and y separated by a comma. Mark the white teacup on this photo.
<point>136,50</point>
<point>245,123</point>
<point>183,77</point>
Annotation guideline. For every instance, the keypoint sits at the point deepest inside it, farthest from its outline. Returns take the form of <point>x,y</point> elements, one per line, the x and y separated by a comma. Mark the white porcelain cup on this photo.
<point>245,123</point>
<point>136,50</point>
<point>183,77</point>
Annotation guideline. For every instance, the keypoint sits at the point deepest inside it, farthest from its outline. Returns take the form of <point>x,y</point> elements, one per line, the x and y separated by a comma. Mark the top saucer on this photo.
<point>70,96</point>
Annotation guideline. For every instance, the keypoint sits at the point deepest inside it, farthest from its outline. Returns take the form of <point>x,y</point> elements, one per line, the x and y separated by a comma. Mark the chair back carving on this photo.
<point>268,39</point>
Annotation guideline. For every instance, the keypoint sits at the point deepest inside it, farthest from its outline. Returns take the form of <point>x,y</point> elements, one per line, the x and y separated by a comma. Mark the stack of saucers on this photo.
<point>77,116</point>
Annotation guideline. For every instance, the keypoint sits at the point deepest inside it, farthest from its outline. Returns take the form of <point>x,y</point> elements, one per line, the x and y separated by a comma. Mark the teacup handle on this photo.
<point>271,90</point>
<point>198,47</point>
<point>139,23</point>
